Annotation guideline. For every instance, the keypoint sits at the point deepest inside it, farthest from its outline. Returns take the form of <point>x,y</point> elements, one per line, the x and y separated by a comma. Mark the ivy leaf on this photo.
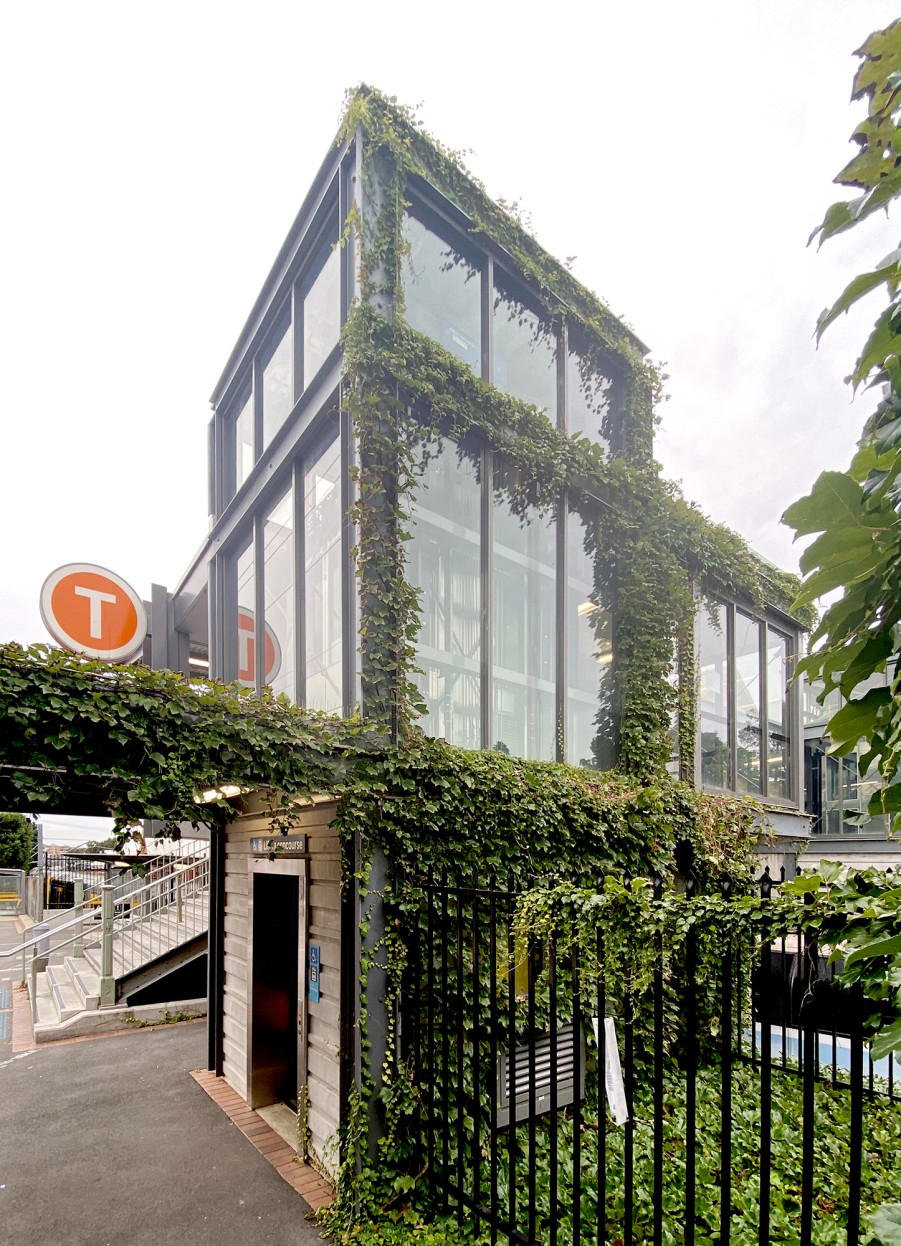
<point>881,947</point>
<point>858,719</point>
<point>871,657</point>
<point>882,342</point>
<point>888,269</point>
<point>885,799</point>
<point>839,575</point>
<point>887,1041</point>
<point>835,501</point>
<point>841,543</point>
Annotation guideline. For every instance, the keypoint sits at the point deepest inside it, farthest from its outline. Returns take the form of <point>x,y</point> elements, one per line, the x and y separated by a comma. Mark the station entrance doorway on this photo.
<point>277,980</point>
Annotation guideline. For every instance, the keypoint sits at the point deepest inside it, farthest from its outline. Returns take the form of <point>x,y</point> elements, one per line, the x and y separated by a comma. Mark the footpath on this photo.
<point>112,1142</point>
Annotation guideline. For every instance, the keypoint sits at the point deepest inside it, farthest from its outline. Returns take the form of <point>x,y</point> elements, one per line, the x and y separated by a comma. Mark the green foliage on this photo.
<point>644,940</point>
<point>404,391</point>
<point>882,1129</point>
<point>859,917</point>
<point>147,743</point>
<point>428,804</point>
<point>402,1227</point>
<point>856,512</point>
<point>886,1226</point>
<point>17,842</point>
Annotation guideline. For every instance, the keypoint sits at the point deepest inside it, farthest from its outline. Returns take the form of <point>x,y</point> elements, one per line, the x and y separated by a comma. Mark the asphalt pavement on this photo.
<point>111,1143</point>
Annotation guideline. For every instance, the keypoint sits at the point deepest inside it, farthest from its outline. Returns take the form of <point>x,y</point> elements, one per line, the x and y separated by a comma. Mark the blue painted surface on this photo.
<point>825,1055</point>
<point>314,974</point>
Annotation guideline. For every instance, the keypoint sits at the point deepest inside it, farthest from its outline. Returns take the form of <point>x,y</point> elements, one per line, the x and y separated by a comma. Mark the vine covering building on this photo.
<point>445,515</point>
<point>433,500</point>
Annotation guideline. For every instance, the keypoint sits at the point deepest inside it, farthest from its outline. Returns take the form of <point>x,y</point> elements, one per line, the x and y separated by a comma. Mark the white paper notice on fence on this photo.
<point>614,1085</point>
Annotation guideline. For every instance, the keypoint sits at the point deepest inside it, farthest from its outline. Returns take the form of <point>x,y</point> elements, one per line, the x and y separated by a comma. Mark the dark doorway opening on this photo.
<point>275,1017</point>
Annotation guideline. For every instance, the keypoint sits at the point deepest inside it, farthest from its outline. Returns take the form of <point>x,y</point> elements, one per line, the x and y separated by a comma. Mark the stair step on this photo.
<point>85,979</point>
<point>45,1009</point>
<point>141,940</point>
<point>66,999</point>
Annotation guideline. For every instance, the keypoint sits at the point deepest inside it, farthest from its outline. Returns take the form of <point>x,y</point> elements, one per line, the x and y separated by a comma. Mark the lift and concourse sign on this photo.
<point>93,611</point>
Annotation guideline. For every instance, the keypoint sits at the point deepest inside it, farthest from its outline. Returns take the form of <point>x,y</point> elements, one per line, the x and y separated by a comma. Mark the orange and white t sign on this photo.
<point>93,611</point>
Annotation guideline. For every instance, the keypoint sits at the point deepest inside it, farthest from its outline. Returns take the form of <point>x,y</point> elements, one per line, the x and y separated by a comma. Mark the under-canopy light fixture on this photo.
<point>225,792</point>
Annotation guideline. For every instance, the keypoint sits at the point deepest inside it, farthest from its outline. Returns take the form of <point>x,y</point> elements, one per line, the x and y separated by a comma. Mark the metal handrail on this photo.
<point>40,935</point>
<point>166,890</point>
<point>124,889</point>
<point>163,914</point>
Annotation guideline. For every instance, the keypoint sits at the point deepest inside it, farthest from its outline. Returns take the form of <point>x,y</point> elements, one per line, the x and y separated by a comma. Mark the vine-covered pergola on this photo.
<point>85,737</point>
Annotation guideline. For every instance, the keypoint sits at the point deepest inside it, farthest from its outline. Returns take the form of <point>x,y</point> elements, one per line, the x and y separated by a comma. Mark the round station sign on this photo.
<point>247,650</point>
<point>93,611</point>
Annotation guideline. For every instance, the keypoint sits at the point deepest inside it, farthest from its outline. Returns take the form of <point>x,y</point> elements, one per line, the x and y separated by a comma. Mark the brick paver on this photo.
<point>302,1177</point>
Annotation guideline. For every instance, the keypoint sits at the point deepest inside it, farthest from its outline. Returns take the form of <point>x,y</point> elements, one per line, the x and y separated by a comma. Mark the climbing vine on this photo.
<point>430,806</point>
<point>149,744</point>
<point>651,550</point>
<point>152,740</point>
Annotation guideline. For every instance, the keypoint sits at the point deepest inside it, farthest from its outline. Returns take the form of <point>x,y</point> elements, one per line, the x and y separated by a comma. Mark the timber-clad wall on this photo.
<point>323,1044</point>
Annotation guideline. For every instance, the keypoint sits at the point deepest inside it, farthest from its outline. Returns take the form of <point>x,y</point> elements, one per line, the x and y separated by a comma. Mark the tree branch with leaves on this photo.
<point>855,515</point>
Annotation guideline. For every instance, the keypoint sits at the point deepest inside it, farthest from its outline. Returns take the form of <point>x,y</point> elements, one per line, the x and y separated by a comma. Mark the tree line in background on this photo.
<point>18,841</point>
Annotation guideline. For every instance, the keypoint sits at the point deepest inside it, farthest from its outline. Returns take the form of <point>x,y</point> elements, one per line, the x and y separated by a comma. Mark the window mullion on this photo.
<point>259,604</point>
<point>730,699</point>
<point>563,518</point>
<point>487,591</point>
<point>764,709</point>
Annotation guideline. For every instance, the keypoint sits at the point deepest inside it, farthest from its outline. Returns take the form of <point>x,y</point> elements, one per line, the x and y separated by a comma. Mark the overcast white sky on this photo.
<point>154,156</point>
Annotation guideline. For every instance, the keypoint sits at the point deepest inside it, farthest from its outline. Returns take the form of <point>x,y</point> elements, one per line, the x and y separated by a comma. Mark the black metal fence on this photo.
<point>63,869</point>
<point>558,1107</point>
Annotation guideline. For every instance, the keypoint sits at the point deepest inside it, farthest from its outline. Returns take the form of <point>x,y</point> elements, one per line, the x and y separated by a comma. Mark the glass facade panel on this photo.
<point>444,564</point>
<point>845,795</point>
<point>278,585</point>
<point>277,383</point>
<point>442,293</point>
<point>525,354</point>
<point>713,669</point>
<point>747,703</point>
<point>245,624</point>
<point>777,733</point>
<point>838,794</point>
<point>322,582</point>
<point>813,711</point>
<point>322,316</point>
<point>674,763</point>
<point>588,651</point>
<point>524,628</point>
<point>587,401</point>
<point>244,441</point>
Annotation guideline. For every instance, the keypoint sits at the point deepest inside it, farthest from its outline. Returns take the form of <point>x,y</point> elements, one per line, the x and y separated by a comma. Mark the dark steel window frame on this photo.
<point>563,515</point>
<point>728,611</point>
<point>450,226</point>
<point>323,433</point>
<point>577,338</point>
<point>324,226</point>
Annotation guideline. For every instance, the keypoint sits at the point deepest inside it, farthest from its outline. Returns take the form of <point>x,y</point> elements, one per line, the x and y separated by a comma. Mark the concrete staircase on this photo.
<point>146,933</point>
<point>64,991</point>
